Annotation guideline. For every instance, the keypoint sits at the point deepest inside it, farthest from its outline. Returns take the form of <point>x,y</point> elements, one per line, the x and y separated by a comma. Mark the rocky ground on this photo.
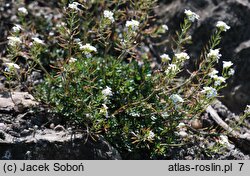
<point>29,131</point>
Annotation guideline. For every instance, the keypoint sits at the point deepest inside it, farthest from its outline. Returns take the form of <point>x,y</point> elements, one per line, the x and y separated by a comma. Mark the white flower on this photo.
<point>107,91</point>
<point>72,60</point>
<point>105,106</point>
<point>77,40</point>
<point>213,73</point>
<point>182,55</point>
<point>51,33</point>
<point>133,24</point>
<point>247,110</point>
<point>165,58</point>
<point>219,80</point>
<point>231,72</point>
<point>13,41</point>
<point>37,40</point>
<point>227,64</point>
<point>222,26</point>
<point>61,24</point>
<point>176,98</point>
<point>23,10</point>
<point>191,15</point>
<point>87,48</point>
<point>209,91</point>
<point>171,68</point>
<point>11,66</point>
<point>214,54</point>
<point>151,135</point>
<point>104,110</point>
<point>217,83</point>
<point>75,6</point>
<point>164,27</point>
<point>182,134</point>
<point>109,15</point>
<point>17,28</point>
<point>181,125</point>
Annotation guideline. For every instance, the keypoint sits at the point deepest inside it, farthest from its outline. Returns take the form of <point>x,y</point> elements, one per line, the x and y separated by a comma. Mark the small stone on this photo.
<point>52,126</point>
<point>196,124</point>
<point>59,128</point>
<point>2,126</point>
<point>183,134</point>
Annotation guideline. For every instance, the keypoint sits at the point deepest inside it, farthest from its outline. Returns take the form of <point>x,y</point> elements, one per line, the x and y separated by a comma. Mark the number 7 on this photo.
<point>241,164</point>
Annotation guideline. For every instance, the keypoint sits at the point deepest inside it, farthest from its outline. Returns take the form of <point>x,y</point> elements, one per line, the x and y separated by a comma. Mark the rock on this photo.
<point>28,136</point>
<point>25,132</point>
<point>17,101</point>
<point>235,45</point>
<point>2,87</point>
<point>59,128</point>
<point>196,124</point>
<point>2,126</point>
<point>48,144</point>
<point>2,135</point>
<point>52,126</point>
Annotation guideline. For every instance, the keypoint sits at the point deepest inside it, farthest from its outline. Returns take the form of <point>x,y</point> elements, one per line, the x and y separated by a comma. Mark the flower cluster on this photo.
<point>165,58</point>
<point>150,135</point>
<point>219,80</point>
<point>107,91</point>
<point>11,66</point>
<point>222,26</point>
<point>182,56</point>
<point>72,60</point>
<point>109,15</point>
<point>231,72</point>
<point>133,25</point>
<point>104,110</point>
<point>17,28</point>
<point>176,98</point>
<point>75,6</point>
<point>13,41</point>
<point>172,68</point>
<point>247,110</point>
<point>214,54</point>
<point>191,15</point>
<point>23,11</point>
<point>213,73</point>
<point>227,64</point>
<point>210,92</point>
<point>87,49</point>
<point>38,41</point>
